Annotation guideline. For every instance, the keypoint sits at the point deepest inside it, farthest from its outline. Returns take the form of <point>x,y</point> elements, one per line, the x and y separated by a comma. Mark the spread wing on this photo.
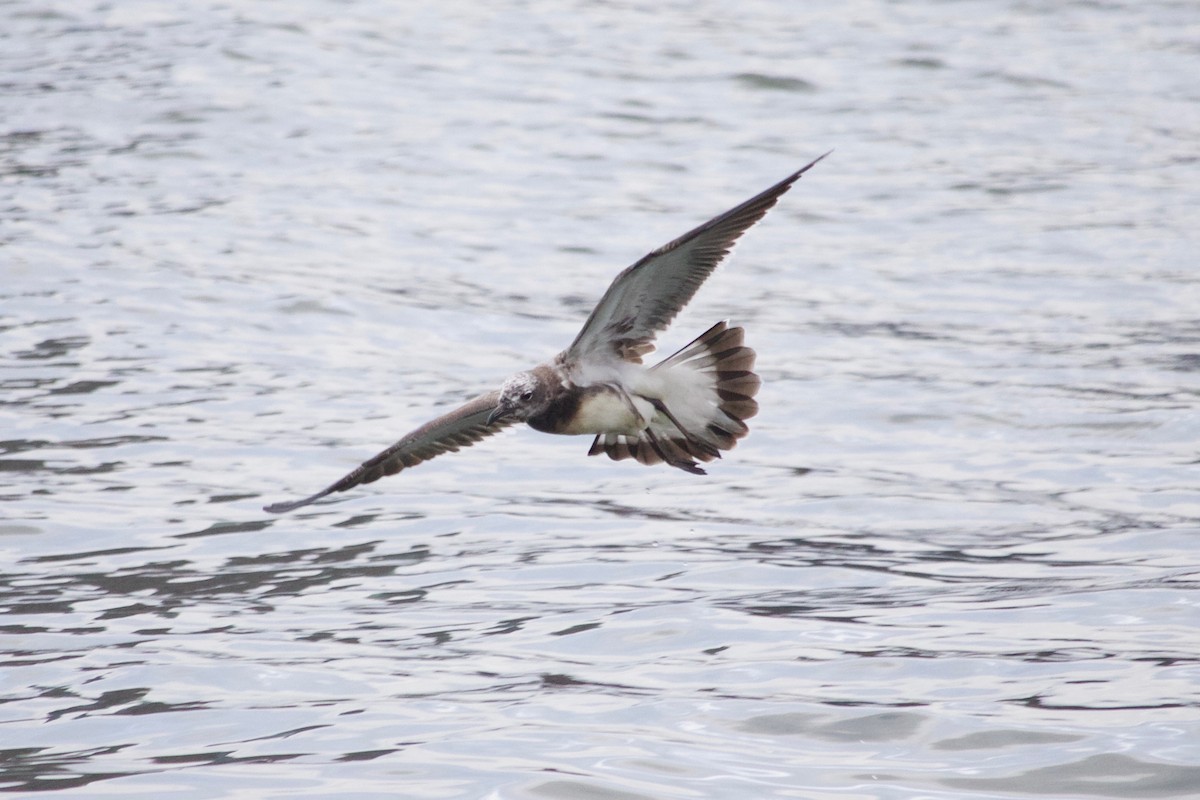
<point>462,427</point>
<point>644,298</point>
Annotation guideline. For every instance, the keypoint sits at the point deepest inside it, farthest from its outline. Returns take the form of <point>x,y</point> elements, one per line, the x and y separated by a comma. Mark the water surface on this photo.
<point>244,247</point>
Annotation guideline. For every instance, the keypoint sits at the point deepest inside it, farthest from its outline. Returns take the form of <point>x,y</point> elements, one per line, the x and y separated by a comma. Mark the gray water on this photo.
<point>244,246</point>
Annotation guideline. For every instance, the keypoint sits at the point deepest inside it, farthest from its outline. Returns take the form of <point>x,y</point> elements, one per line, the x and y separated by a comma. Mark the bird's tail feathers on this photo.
<point>712,385</point>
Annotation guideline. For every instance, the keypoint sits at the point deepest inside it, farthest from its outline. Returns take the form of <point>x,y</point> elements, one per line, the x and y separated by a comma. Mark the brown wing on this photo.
<point>460,428</point>
<point>644,298</point>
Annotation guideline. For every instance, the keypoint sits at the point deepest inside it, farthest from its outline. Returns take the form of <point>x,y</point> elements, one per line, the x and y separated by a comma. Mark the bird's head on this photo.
<point>522,396</point>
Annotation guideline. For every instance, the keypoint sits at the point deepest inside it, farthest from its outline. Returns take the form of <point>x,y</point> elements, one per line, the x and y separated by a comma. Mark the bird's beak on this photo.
<point>498,413</point>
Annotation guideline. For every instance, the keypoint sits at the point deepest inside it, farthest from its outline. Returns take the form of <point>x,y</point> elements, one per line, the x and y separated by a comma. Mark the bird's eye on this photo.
<point>526,396</point>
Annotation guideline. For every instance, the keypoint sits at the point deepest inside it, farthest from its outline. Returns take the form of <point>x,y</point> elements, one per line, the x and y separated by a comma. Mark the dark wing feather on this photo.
<point>644,298</point>
<point>460,428</point>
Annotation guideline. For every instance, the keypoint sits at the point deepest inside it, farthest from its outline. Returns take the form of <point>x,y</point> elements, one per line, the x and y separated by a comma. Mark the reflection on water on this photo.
<point>955,558</point>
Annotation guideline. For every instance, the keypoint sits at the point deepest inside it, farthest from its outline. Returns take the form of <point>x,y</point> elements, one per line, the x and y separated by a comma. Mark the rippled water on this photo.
<point>244,246</point>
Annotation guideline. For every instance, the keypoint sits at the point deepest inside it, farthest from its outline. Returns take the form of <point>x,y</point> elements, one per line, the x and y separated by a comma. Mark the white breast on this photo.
<point>608,411</point>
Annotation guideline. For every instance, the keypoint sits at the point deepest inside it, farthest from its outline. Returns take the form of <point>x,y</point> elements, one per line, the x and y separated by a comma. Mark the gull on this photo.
<point>683,410</point>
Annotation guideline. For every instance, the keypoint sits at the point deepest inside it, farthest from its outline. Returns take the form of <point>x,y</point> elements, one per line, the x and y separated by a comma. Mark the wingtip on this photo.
<point>811,164</point>
<point>281,508</point>
<point>292,505</point>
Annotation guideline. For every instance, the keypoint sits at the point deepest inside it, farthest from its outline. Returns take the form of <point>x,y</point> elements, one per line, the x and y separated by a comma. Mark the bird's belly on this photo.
<point>608,411</point>
<point>598,409</point>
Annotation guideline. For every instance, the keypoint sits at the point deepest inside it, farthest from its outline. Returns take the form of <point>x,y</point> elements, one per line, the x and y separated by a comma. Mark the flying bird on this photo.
<point>683,410</point>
